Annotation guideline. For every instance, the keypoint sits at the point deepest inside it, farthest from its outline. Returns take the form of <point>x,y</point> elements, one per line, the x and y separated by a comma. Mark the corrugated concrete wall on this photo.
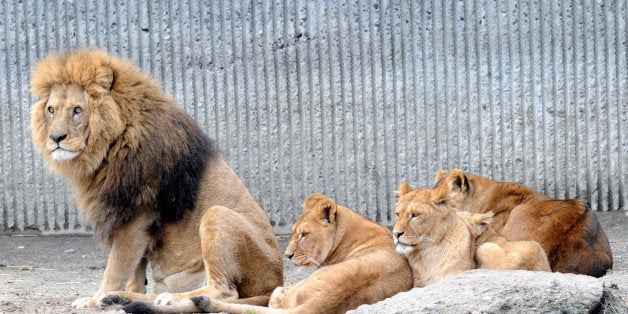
<point>348,98</point>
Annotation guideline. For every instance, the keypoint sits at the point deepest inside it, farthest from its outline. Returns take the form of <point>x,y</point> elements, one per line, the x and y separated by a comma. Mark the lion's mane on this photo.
<point>143,155</point>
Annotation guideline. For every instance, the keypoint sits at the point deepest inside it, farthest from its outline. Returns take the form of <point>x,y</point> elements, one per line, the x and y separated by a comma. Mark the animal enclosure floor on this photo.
<point>44,274</point>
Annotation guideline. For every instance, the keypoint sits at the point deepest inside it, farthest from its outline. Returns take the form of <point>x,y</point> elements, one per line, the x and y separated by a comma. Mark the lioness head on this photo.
<point>419,218</point>
<point>313,233</point>
<point>76,102</point>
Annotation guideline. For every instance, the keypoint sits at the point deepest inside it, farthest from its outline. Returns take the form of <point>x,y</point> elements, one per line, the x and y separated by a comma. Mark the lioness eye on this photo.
<point>77,110</point>
<point>51,110</point>
<point>414,215</point>
<point>303,235</point>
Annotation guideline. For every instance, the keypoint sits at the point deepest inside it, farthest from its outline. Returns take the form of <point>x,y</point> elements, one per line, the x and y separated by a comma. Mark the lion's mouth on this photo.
<point>62,154</point>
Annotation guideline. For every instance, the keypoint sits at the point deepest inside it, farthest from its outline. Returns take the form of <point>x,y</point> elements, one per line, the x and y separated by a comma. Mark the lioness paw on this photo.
<point>167,298</point>
<point>84,303</point>
<point>164,299</point>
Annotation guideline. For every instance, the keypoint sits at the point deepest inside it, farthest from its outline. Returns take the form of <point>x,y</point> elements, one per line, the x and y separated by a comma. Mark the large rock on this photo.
<point>481,291</point>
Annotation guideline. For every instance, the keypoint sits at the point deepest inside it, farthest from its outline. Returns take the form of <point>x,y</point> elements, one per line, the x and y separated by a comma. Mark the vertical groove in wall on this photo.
<point>349,98</point>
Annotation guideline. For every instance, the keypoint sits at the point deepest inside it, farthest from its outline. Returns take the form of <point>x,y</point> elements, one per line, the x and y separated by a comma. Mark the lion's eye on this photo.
<point>414,215</point>
<point>396,214</point>
<point>303,235</point>
<point>51,110</point>
<point>77,110</point>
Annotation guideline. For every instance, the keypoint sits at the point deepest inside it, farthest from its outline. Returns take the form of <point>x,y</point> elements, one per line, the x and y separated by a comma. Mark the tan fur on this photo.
<point>356,259</point>
<point>116,123</point>
<point>434,239</point>
<point>568,231</point>
<point>493,251</point>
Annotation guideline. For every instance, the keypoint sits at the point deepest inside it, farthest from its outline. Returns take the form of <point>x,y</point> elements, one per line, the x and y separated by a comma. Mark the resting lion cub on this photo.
<point>357,260</point>
<point>494,251</point>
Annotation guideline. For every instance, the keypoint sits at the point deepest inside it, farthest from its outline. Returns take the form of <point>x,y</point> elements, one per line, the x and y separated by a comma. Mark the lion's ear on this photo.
<point>457,182</point>
<point>311,202</point>
<point>327,210</point>
<point>440,176</point>
<point>104,79</point>
<point>404,189</point>
<point>482,221</point>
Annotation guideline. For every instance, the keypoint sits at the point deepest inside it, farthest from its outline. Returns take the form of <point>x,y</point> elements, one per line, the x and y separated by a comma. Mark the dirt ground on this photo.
<point>44,274</point>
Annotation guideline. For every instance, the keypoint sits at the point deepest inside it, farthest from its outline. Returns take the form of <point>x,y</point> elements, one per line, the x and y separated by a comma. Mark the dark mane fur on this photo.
<point>144,153</point>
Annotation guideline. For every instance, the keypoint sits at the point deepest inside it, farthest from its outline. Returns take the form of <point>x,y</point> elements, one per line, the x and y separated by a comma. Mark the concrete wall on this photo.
<point>347,98</point>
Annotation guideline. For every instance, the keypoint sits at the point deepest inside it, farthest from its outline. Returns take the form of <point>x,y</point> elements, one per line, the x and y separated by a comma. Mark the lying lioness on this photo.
<point>567,230</point>
<point>357,260</point>
<point>439,242</point>
<point>434,239</point>
<point>493,251</point>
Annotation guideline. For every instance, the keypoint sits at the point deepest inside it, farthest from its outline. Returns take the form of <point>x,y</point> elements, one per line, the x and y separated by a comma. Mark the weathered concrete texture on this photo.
<point>492,291</point>
<point>345,97</point>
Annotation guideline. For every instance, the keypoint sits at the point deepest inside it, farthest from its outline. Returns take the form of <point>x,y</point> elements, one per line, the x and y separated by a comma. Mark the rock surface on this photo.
<point>494,291</point>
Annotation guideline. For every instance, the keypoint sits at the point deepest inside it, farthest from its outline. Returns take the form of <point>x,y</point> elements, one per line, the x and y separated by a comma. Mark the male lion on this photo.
<point>357,260</point>
<point>439,242</point>
<point>151,184</point>
<point>568,231</point>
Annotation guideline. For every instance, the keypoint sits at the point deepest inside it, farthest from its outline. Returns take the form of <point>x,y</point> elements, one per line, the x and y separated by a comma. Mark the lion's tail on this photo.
<point>146,308</point>
<point>202,304</point>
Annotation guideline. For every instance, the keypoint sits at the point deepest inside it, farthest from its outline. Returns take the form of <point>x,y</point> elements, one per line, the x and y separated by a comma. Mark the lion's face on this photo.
<point>66,118</point>
<point>418,216</point>
<point>313,234</point>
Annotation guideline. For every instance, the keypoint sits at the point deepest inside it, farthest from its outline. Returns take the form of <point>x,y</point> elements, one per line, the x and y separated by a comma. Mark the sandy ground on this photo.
<point>44,274</point>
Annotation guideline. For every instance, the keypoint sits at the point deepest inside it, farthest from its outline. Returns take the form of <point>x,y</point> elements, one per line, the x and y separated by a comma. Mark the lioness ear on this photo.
<point>327,210</point>
<point>104,79</point>
<point>457,181</point>
<point>404,188</point>
<point>440,176</point>
<point>481,221</point>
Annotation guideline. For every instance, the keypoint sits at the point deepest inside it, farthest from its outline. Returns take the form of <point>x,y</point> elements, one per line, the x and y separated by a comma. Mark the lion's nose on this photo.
<point>57,138</point>
<point>289,255</point>
<point>397,234</point>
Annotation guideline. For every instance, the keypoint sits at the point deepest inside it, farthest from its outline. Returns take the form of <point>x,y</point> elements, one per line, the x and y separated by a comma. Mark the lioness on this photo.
<point>567,230</point>
<point>439,242</point>
<point>357,260</point>
<point>151,183</point>
<point>493,251</point>
<point>434,239</point>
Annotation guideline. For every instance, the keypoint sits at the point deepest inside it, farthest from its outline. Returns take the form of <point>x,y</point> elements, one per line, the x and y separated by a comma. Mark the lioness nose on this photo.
<point>289,255</point>
<point>58,138</point>
<point>397,234</point>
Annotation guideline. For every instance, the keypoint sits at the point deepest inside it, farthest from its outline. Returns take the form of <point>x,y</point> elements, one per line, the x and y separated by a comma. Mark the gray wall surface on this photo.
<point>347,98</point>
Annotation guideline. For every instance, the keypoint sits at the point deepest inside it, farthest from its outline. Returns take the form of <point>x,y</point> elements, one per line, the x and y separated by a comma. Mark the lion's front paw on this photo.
<point>85,303</point>
<point>111,299</point>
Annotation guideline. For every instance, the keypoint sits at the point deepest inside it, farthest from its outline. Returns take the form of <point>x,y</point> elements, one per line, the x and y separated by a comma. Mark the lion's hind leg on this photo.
<point>241,263</point>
